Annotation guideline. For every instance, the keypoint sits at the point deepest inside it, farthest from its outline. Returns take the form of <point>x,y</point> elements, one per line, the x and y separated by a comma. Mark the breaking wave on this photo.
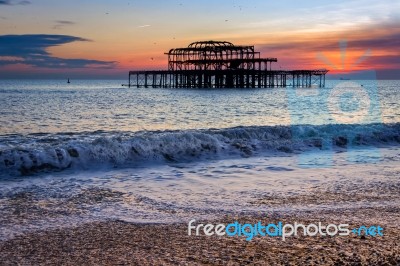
<point>29,154</point>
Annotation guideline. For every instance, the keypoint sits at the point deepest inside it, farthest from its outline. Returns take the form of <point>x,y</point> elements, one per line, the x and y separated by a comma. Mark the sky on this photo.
<point>106,39</point>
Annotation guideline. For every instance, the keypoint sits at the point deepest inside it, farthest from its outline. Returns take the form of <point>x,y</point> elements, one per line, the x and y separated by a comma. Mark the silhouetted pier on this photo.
<point>214,64</point>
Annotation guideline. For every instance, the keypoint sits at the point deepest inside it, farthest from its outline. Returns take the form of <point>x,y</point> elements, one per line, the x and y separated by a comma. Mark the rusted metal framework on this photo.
<point>214,55</point>
<point>220,64</point>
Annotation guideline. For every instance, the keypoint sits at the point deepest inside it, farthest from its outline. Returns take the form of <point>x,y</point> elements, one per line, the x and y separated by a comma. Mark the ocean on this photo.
<point>93,150</point>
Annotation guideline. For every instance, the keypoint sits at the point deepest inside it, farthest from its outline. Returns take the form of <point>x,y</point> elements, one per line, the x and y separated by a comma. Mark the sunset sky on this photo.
<point>105,39</point>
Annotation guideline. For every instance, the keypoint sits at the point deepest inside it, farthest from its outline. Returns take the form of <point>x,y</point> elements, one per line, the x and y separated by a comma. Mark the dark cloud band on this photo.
<point>9,2</point>
<point>32,50</point>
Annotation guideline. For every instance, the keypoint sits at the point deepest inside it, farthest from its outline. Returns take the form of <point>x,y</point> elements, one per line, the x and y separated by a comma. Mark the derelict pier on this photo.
<point>214,64</point>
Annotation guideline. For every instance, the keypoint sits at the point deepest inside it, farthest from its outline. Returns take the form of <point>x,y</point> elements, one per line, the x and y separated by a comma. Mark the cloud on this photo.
<point>62,23</point>
<point>65,22</point>
<point>32,49</point>
<point>364,39</point>
<point>381,38</point>
<point>10,2</point>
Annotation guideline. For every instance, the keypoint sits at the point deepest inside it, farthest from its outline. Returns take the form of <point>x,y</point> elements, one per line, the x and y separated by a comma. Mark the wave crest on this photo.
<point>24,155</point>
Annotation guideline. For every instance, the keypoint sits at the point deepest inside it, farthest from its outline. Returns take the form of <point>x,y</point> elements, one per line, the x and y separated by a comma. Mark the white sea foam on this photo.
<point>24,155</point>
<point>208,189</point>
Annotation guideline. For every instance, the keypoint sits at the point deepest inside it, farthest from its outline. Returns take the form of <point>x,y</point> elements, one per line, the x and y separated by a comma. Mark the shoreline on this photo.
<point>118,242</point>
<point>268,189</point>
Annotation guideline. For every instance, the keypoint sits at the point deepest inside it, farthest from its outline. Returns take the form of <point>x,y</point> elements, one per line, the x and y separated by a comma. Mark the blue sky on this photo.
<point>110,37</point>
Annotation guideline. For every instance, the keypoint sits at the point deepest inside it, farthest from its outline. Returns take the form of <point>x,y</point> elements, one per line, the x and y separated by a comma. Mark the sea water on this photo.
<point>93,151</point>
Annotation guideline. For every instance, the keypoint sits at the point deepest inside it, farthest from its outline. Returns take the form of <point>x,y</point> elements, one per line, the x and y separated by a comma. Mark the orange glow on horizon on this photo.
<point>141,44</point>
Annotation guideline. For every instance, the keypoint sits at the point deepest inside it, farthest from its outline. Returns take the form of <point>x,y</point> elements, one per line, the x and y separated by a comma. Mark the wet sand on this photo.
<point>121,243</point>
<point>372,199</point>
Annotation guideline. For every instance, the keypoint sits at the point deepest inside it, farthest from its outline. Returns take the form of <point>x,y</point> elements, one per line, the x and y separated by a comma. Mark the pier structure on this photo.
<point>220,64</point>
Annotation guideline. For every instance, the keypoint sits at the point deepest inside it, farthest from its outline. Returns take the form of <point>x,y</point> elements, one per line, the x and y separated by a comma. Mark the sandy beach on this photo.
<point>36,230</point>
<point>124,243</point>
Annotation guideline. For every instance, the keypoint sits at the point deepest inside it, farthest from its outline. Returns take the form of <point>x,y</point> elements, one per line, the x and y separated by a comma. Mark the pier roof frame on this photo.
<point>216,55</point>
